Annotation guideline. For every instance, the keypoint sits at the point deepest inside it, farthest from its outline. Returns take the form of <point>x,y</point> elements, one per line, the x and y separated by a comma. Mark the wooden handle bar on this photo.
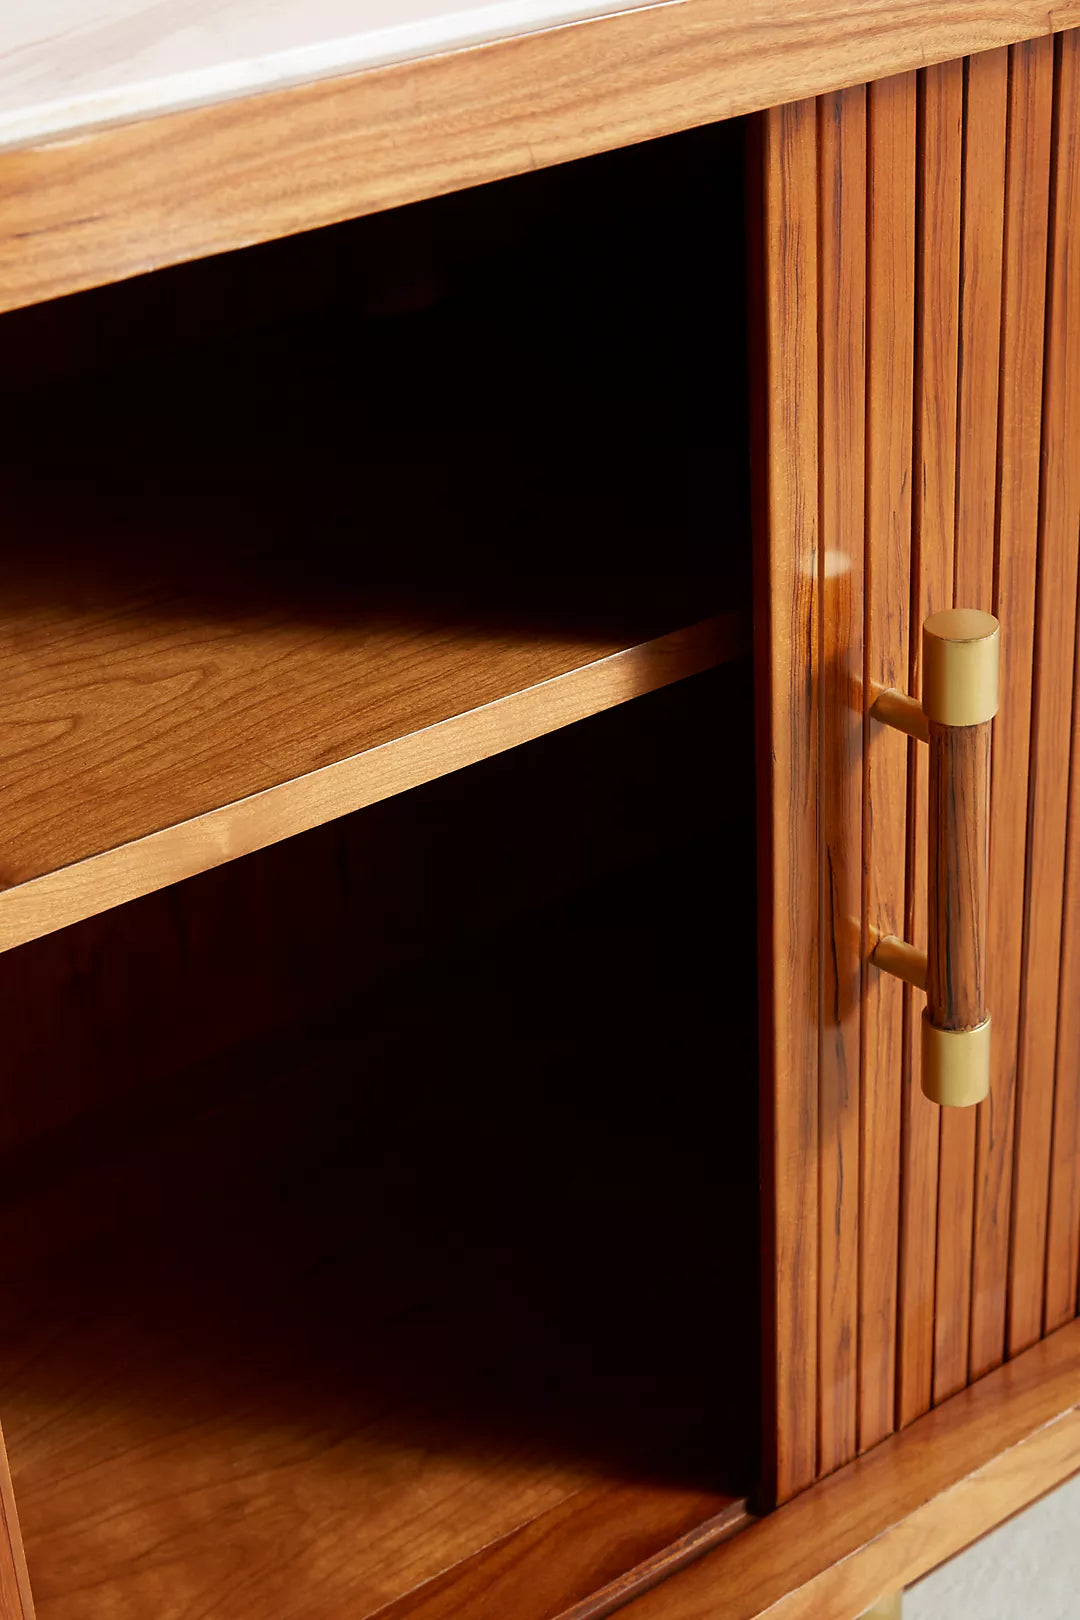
<point>960,699</point>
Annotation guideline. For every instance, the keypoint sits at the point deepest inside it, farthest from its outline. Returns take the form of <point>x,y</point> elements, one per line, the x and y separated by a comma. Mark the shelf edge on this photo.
<point>69,894</point>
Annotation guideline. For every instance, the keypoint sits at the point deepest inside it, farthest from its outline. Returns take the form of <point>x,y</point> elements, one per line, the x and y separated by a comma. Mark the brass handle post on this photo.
<point>960,699</point>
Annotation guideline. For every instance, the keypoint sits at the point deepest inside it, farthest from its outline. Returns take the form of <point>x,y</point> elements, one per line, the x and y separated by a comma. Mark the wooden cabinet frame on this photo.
<point>914,219</point>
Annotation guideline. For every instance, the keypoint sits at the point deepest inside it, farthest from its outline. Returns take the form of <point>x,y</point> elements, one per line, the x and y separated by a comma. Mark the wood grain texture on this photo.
<point>678,1555</point>
<point>971,312</point>
<point>118,202</point>
<point>1051,718</point>
<point>842,295</point>
<point>890,1516</point>
<point>1063,1215</point>
<point>787,699</point>
<point>958,874</point>
<point>583,1559</point>
<point>982,225</point>
<point>16,1600</point>
<point>939,182</point>
<point>588,1543</point>
<point>890,361</point>
<point>310,723</point>
<point>1020,416</point>
<point>986,103</point>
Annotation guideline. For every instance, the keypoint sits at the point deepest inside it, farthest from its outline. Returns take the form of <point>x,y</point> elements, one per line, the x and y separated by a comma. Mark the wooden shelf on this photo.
<point>258,580</point>
<point>150,738</point>
<point>342,1319</point>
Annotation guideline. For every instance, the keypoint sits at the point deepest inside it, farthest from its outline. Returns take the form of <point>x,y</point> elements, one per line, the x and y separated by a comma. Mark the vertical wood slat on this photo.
<point>982,231</point>
<point>1020,415</point>
<point>1051,719</point>
<point>842,297</point>
<point>788,700</point>
<point>941,96</point>
<point>1053,797</point>
<point>16,1599</point>
<point>1063,1222</point>
<point>890,362</point>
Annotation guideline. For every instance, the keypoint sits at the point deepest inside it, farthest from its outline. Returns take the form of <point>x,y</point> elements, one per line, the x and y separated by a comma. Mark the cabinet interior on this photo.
<point>381,1207</point>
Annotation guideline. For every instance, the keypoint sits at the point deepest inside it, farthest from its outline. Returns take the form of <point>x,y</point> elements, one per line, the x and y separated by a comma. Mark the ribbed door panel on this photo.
<point>920,378</point>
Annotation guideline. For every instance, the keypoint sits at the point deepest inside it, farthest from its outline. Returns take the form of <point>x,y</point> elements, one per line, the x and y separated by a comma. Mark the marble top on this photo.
<point>67,65</point>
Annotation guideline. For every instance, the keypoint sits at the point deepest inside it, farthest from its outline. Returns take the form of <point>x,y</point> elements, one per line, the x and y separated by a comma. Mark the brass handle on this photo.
<point>960,699</point>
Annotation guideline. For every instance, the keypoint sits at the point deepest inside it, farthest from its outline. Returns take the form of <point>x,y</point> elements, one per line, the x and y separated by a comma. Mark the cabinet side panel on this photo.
<point>940,125</point>
<point>1020,415</point>
<point>890,360</point>
<point>787,636</point>
<point>982,228</point>
<point>842,154</point>
<point>1059,520</point>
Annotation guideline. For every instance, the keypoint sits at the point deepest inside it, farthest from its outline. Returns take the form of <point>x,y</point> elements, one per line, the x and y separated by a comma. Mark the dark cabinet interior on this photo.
<point>380,1208</point>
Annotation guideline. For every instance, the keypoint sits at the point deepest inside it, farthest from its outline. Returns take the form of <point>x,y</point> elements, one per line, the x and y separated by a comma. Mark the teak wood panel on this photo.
<point>787,707</point>
<point>986,81</point>
<point>842,138</point>
<point>965,430</point>
<point>117,202</point>
<point>280,725</point>
<point>1051,716</point>
<point>539,1571</point>
<point>938,182</point>
<point>890,327</point>
<point>16,1601</point>
<point>1019,410</point>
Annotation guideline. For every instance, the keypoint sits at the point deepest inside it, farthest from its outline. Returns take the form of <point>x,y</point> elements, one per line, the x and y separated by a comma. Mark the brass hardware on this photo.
<point>955,1063</point>
<point>902,713</point>
<point>904,961</point>
<point>961,651</point>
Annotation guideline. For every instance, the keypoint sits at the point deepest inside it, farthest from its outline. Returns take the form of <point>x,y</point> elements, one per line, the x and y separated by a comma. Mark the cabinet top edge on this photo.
<point>141,139</point>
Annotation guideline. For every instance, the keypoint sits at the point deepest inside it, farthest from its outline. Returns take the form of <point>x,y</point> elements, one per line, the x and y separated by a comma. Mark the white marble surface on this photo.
<point>67,65</point>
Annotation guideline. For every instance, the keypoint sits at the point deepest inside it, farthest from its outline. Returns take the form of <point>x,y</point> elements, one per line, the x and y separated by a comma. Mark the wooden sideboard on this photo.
<point>420,1196</point>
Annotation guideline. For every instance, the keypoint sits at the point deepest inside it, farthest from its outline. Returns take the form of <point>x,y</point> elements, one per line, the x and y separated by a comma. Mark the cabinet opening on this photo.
<point>380,1173</point>
<point>386,1201</point>
<point>271,513</point>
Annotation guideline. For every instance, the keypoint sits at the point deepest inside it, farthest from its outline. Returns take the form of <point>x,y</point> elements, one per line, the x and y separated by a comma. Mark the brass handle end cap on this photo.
<point>961,653</point>
<point>955,1064</point>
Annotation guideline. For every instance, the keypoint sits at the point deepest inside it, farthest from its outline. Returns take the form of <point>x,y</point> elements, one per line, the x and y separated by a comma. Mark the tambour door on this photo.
<point>919,439</point>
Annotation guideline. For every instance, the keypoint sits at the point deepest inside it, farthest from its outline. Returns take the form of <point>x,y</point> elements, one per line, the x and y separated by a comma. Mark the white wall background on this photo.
<point>1027,1569</point>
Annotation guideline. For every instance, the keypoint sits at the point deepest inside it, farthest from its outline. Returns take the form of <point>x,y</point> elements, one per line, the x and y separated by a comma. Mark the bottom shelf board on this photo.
<point>412,1301</point>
